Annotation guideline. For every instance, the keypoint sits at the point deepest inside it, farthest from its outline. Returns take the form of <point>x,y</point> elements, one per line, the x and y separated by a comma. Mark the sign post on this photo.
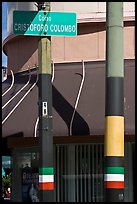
<point>46,168</point>
<point>45,24</point>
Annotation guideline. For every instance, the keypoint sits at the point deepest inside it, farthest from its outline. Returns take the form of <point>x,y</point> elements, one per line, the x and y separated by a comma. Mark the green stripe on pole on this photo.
<point>114,44</point>
<point>114,170</point>
<point>46,171</point>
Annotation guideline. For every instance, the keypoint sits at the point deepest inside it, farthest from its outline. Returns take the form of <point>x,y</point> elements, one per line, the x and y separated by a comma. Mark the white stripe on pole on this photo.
<point>114,177</point>
<point>46,178</point>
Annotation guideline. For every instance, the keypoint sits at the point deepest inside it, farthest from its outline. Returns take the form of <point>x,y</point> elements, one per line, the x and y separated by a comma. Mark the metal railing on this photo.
<point>79,173</point>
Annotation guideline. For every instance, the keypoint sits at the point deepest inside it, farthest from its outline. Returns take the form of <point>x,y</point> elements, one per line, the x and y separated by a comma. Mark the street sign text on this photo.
<point>44,23</point>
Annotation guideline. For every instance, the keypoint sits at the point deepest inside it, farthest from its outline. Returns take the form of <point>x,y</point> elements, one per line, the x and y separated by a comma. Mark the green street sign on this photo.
<point>44,23</point>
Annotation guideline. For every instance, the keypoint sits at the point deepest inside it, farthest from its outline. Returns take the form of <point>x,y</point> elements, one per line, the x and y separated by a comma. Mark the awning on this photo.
<point>74,86</point>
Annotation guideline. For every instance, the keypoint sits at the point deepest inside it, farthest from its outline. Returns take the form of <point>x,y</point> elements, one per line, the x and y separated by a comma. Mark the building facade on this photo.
<point>78,85</point>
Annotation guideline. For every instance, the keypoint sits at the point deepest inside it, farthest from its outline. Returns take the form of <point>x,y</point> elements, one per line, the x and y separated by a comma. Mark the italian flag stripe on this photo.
<point>113,177</point>
<point>46,186</point>
<point>46,178</point>
<point>114,184</point>
<point>114,170</point>
<point>46,171</point>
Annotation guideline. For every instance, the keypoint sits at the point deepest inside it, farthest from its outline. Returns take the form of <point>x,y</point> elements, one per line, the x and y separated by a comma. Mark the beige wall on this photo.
<point>88,45</point>
<point>22,53</point>
<point>129,41</point>
<point>91,45</point>
<point>87,7</point>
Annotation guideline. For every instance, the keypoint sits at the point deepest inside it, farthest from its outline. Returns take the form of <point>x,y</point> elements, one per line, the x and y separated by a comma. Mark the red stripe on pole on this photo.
<point>46,186</point>
<point>114,184</point>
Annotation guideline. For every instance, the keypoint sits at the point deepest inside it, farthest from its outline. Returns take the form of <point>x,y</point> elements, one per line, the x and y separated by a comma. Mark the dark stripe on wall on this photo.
<point>114,161</point>
<point>114,194</point>
<point>114,96</point>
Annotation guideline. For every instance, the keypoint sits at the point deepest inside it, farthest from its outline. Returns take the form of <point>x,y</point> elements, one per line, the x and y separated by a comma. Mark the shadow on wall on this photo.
<point>93,27</point>
<point>65,110</point>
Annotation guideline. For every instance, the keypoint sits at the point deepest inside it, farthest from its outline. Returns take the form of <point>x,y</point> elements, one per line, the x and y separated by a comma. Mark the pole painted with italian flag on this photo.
<point>114,105</point>
<point>46,170</point>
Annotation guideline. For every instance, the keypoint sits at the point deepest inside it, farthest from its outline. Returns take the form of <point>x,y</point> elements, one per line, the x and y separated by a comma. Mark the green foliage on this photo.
<point>6,182</point>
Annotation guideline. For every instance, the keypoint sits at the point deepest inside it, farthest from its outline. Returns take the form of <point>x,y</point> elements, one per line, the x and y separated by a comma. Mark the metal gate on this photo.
<point>79,172</point>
